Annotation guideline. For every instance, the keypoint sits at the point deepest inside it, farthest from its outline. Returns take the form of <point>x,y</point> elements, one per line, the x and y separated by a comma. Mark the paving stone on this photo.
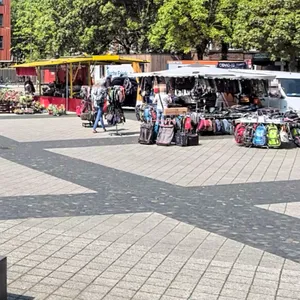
<point>71,293</point>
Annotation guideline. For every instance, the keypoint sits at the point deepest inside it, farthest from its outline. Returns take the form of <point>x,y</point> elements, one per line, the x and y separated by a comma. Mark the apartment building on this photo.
<point>5,31</point>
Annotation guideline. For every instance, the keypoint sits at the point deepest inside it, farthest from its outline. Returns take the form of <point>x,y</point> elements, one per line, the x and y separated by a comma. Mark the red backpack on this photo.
<point>187,123</point>
<point>239,133</point>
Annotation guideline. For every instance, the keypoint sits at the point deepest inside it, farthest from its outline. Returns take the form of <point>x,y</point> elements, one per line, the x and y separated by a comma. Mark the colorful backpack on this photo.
<point>248,135</point>
<point>239,133</point>
<point>259,138</point>
<point>273,136</point>
<point>187,123</point>
<point>296,136</point>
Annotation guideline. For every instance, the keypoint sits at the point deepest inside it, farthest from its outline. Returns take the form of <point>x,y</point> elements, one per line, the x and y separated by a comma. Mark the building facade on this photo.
<point>5,31</point>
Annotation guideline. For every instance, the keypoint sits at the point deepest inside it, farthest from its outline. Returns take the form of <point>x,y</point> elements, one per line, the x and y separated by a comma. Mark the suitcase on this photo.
<point>181,139</point>
<point>193,140</point>
<point>165,135</point>
<point>88,116</point>
<point>146,134</point>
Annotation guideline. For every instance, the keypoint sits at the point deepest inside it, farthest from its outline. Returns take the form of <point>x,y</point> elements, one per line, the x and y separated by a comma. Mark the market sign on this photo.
<point>117,71</point>
<point>260,57</point>
<point>232,65</point>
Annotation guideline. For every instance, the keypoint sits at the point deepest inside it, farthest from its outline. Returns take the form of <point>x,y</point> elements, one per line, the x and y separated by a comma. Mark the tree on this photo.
<point>271,26</point>
<point>31,28</point>
<point>185,25</point>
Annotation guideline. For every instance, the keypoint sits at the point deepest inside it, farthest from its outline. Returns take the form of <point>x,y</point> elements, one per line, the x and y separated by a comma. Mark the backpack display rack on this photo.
<point>267,129</point>
<point>115,114</point>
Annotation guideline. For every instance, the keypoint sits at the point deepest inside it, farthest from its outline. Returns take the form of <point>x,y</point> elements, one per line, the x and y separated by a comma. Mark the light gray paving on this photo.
<point>291,209</point>
<point>137,256</point>
<point>18,180</point>
<point>56,128</point>
<point>214,162</point>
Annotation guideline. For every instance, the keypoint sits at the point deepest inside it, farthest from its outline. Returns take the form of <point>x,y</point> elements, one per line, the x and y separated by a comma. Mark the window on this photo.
<point>1,42</point>
<point>1,19</point>
<point>1,2</point>
<point>291,86</point>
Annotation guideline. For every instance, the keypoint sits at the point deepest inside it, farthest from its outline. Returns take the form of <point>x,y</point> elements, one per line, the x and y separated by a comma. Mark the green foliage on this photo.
<point>271,26</point>
<point>186,25</point>
<point>43,28</point>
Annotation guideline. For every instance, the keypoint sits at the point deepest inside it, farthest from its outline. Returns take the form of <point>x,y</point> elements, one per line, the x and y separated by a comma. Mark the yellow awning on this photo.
<point>94,59</point>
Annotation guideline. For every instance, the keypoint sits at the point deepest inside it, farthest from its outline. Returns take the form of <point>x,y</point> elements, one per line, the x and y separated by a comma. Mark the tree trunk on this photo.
<point>225,47</point>
<point>200,49</point>
<point>293,63</point>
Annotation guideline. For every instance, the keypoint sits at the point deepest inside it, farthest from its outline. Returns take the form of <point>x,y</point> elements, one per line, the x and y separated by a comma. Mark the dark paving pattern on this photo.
<point>227,210</point>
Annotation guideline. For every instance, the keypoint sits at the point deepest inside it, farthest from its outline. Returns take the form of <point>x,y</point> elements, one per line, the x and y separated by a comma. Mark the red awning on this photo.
<point>26,71</point>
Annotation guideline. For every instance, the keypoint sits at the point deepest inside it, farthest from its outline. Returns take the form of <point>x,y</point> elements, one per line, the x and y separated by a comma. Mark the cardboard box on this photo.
<point>175,111</point>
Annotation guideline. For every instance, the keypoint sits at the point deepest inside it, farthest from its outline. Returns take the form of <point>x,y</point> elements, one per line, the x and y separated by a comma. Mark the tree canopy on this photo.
<point>271,26</point>
<point>45,28</point>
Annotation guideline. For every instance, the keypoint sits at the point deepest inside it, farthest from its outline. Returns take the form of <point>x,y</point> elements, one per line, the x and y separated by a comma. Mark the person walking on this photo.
<point>99,96</point>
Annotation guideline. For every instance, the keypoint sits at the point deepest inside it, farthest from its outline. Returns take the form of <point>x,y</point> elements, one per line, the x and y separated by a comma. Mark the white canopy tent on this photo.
<point>207,72</point>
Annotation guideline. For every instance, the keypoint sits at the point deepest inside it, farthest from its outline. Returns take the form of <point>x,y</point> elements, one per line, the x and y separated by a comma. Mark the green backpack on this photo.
<point>273,136</point>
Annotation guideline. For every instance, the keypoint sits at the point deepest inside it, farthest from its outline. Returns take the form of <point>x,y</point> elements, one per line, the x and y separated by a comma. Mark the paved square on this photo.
<point>90,216</point>
<point>213,162</point>
<point>137,256</point>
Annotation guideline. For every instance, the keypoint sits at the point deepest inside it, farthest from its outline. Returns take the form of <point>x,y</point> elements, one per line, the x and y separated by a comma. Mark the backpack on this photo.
<point>218,126</point>
<point>273,136</point>
<point>284,136</point>
<point>100,95</point>
<point>259,138</point>
<point>239,133</point>
<point>226,126</point>
<point>187,123</point>
<point>296,136</point>
<point>147,116</point>
<point>248,135</point>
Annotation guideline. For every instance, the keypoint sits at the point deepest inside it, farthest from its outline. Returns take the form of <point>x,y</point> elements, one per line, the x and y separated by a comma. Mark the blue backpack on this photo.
<point>147,115</point>
<point>259,138</point>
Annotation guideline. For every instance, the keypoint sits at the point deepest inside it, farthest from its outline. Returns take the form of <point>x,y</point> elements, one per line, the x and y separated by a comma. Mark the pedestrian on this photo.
<point>162,99</point>
<point>99,96</point>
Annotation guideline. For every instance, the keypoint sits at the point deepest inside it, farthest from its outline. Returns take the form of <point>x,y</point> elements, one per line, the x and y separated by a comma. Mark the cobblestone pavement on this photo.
<point>86,216</point>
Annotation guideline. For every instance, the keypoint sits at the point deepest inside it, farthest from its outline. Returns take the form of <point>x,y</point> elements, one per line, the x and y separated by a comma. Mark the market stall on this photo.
<point>71,73</point>
<point>202,100</point>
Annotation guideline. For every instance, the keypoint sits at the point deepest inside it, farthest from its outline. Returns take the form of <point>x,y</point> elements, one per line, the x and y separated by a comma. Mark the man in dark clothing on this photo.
<point>29,86</point>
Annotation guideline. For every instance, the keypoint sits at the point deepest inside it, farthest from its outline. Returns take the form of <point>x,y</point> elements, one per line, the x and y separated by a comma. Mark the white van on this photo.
<point>284,90</point>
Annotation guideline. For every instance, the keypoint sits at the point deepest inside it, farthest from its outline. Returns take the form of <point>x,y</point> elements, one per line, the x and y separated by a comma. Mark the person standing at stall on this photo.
<point>99,96</point>
<point>162,99</point>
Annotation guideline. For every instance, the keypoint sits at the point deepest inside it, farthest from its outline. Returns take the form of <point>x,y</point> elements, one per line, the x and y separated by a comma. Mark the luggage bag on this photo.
<point>165,135</point>
<point>181,139</point>
<point>146,134</point>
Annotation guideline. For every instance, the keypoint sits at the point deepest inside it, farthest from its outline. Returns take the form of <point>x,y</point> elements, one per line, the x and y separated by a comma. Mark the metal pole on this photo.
<point>67,87</point>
